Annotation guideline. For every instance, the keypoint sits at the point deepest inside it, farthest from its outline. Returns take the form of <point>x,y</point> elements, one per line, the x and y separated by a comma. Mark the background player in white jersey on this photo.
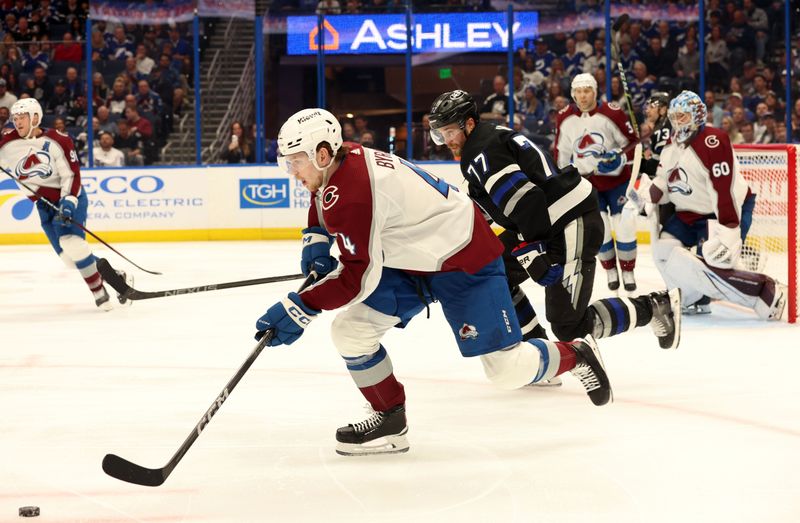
<point>45,160</point>
<point>553,228</point>
<point>699,173</point>
<point>596,139</point>
<point>406,239</point>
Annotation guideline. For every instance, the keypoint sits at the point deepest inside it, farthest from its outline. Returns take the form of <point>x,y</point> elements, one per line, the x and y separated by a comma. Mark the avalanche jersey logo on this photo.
<point>467,332</point>
<point>35,163</point>
<point>678,182</point>
<point>329,197</point>
<point>589,144</point>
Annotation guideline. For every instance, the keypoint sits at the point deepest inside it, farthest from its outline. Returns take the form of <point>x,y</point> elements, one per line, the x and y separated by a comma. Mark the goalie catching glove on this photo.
<point>316,255</point>
<point>287,319</point>
<point>533,258</point>
<point>723,246</point>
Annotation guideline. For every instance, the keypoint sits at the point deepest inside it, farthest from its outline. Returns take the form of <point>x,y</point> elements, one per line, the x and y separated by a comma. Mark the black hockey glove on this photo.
<point>533,258</point>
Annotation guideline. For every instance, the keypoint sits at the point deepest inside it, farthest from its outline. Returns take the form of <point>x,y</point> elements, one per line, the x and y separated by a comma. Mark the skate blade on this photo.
<point>386,445</point>
<point>126,302</point>
<point>552,382</point>
<point>106,306</point>
<point>675,306</point>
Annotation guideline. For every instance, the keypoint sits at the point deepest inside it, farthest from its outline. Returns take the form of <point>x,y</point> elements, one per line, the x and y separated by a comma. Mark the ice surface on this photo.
<point>707,433</point>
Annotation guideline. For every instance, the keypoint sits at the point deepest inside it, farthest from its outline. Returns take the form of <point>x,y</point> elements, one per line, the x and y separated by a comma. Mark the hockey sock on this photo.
<point>528,322</point>
<point>612,316</point>
<point>608,256</point>
<point>374,377</point>
<point>556,357</point>
<point>88,269</point>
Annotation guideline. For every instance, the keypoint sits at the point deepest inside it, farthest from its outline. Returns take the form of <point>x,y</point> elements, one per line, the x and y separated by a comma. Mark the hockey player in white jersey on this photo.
<point>596,139</point>
<point>406,239</point>
<point>699,173</point>
<point>45,160</point>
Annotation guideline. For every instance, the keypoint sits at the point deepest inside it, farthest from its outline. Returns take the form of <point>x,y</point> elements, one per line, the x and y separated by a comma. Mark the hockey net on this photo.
<point>772,246</point>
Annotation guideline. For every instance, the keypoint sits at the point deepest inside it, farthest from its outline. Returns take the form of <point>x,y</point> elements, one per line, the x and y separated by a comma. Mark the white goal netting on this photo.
<point>772,246</point>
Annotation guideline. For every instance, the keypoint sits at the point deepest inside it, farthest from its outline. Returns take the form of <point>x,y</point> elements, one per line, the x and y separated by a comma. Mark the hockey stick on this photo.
<point>80,226</point>
<point>124,470</point>
<point>126,291</point>
<point>637,152</point>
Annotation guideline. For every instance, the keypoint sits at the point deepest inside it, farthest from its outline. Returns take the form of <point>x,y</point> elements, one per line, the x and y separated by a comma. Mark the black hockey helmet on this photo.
<point>659,98</point>
<point>452,107</point>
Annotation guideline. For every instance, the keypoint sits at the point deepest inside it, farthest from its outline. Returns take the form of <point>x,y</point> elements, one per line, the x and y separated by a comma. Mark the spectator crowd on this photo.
<point>139,81</point>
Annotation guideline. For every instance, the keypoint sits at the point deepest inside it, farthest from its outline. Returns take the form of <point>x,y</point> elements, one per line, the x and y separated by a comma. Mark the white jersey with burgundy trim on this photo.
<point>595,132</point>
<point>701,178</point>
<point>47,164</point>
<point>387,212</point>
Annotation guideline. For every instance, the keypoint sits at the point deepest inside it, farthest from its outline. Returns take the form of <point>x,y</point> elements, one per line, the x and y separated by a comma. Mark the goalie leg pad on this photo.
<point>771,301</point>
<point>679,268</point>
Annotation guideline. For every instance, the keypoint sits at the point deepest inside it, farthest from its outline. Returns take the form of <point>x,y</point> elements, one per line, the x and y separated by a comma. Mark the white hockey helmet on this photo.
<point>31,107</point>
<point>305,130</point>
<point>583,80</point>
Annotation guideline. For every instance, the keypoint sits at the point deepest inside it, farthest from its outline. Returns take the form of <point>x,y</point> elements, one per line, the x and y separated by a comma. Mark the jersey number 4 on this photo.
<point>437,183</point>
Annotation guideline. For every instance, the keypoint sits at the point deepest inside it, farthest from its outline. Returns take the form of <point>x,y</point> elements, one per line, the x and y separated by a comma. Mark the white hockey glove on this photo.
<point>723,246</point>
<point>586,164</point>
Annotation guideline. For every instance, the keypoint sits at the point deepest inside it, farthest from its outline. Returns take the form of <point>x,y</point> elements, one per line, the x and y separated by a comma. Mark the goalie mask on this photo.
<point>303,132</point>
<point>687,114</point>
<point>451,107</point>
<point>31,107</point>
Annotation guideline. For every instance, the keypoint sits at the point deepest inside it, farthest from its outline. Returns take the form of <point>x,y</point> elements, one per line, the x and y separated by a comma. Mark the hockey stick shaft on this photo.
<point>124,470</point>
<point>622,75</point>
<point>80,226</point>
<point>126,291</point>
<point>637,154</point>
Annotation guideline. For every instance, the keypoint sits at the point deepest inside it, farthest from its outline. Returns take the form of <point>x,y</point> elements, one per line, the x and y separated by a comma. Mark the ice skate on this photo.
<point>666,322</point>
<point>628,281</point>
<point>382,433</point>
<point>613,279</point>
<point>102,299</point>
<point>129,282</point>
<point>591,372</point>
<point>701,306</point>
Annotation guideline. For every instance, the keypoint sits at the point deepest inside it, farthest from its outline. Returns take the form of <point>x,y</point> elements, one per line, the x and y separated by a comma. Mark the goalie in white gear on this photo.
<point>46,162</point>
<point>699,173</point>
<point>594,137</point>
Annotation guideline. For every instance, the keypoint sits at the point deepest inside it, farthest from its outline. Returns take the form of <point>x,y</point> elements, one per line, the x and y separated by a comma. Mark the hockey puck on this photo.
<point>28,512</point>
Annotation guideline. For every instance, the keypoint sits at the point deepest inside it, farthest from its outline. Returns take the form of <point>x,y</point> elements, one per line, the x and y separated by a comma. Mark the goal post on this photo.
<point>771,170</point>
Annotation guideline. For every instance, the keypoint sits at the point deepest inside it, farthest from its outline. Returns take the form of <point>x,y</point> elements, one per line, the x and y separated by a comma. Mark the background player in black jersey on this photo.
<point>553,228</point>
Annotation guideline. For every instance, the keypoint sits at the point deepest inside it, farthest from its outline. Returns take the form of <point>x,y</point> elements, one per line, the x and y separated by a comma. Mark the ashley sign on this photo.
<point>383,34</point>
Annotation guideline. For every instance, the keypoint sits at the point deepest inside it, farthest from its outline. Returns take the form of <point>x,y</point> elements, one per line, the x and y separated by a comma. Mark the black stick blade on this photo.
<point>112,278</point>
<point>124,470</point>
<point>623,18</point>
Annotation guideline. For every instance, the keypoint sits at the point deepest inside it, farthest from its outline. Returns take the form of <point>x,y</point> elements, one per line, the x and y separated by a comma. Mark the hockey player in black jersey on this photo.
<point>553,228</point>
<point>656,117</point>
